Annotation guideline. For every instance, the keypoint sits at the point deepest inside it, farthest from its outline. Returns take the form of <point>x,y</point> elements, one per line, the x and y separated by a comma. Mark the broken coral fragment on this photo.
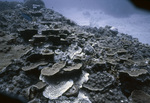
<point>49,71</point>
<point>54,91</point>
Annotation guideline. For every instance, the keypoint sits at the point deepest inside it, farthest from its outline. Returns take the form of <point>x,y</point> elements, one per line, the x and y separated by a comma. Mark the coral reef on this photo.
<point>47,58</point>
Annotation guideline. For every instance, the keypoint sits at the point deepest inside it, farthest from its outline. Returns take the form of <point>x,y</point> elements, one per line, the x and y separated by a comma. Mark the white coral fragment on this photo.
<point>54,91</point>
<point>82,96</point>
<point>83,79</point>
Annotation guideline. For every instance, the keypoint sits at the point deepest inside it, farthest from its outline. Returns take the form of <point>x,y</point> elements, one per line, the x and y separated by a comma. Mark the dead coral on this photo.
<point>49,71</point>
<point>55,91</point>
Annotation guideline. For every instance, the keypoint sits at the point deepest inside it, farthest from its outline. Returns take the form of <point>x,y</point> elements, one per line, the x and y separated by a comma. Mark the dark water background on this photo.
<point>118,13</point>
